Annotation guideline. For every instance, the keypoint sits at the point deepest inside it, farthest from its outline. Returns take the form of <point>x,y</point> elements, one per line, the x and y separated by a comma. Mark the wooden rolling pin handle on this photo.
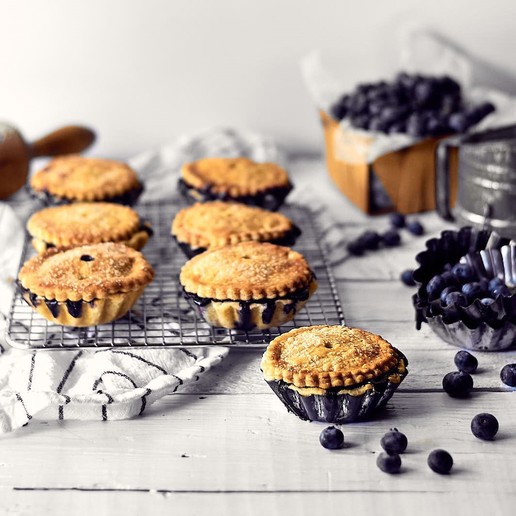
<point>66,140</point>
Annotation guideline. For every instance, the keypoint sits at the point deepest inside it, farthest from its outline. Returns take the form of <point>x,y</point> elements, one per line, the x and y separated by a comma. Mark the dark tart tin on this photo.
<point>475,326</point>
<point>338,405</point>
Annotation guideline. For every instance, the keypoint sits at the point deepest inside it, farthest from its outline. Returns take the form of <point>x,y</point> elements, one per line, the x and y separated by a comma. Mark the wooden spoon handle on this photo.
<point>66,140</point>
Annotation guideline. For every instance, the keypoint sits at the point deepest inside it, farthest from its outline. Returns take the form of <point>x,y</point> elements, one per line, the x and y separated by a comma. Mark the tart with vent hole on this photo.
<point>77,224</point>
<point>85,286</point>
<point>74,178</point>
<point>216,224</point>
<point>333,374</point>
<point>248,285</point>
<point>235,179</point>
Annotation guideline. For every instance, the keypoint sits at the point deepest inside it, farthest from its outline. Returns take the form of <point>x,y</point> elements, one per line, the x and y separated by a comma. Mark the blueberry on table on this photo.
<point>356,248</point>
<point>331,438</point>
<point>389,463</point>
<point>465,362</point>
<point>463,272</point>
<point>440,461</point>
<point>484,426</point>
<point>391,238</point>
<point>407,277</point>
<point>397,220</point>
<point>394,442</point>
<point>415,227</point>
<point>457,384</point>
<point>508,375</point>
<point>370,240</point>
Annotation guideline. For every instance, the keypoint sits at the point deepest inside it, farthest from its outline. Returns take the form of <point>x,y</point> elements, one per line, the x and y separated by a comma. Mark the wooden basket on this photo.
<point>407,175</point>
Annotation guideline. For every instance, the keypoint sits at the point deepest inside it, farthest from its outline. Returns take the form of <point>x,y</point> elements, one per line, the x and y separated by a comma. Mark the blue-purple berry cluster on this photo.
<point>418,105</point>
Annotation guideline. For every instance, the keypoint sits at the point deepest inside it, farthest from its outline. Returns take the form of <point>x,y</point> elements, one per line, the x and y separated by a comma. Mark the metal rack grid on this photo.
<point>161,317</point>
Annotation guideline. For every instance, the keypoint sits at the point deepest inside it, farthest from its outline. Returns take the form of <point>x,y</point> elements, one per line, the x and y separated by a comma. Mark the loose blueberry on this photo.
<point>391,238</point>
<point>465,362</point>
<point>463,272</point>
<point>331,438</point>
<point>389,463</point>
<point>508,375</point>
<point>394,442</point>
<point>440,461</point>
<point>484,426</point>
<point>407,277</point>
<point>457,384</point>
<point>355,248</point>
<point>397,220</point>
<point>370,240</point>
<point>415,227</point>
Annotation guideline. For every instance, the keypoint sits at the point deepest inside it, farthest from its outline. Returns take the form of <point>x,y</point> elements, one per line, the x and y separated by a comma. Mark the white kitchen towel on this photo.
<point>115,383</point>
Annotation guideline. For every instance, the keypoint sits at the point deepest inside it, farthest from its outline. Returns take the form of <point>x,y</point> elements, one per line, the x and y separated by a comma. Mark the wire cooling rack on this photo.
<point>162,317</point>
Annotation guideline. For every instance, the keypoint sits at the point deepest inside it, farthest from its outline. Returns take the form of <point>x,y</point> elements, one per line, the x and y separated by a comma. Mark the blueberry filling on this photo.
<point>288,240</point>
<point>128,198</point>
<point>245,321</point>
<point>87,258</point>
<point>270,199</point>
<point>74,307</point>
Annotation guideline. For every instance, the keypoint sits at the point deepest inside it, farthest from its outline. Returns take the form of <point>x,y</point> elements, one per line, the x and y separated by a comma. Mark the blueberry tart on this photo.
<point>85,286</point>
<point>216,224</point>
<point>83,223</point>
<point>248,285</point>
<point>75,178</point>
<point>333,374</point>
<point>235,179</point>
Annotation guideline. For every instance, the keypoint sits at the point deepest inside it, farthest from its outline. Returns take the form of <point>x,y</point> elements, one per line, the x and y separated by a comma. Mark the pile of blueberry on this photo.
<point>372,240</point>
<point>418,105</point>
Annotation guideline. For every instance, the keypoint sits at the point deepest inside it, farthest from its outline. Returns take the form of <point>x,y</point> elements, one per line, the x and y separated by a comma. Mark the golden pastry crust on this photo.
<point>77,224</point>
<point>234,176</point>
<point>328,356</point>
<point>86,273</point>
<point>249,270</point>
<point>78,178</point>
<point>217,223</point>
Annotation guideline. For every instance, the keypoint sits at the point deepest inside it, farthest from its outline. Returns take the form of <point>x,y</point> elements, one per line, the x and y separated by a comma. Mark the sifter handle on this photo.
<point>66,140</point>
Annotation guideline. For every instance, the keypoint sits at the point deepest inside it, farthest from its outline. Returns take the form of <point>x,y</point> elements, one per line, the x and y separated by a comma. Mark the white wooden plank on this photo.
<point>108,503</point>
<point>251,443</point>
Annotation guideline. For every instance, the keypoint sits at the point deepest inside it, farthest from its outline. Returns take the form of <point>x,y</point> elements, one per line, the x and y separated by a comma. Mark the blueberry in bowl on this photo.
<point>466,289</point>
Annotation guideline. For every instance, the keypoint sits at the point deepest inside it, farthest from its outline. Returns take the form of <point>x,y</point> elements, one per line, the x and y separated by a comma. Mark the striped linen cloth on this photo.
<point>115,383</point>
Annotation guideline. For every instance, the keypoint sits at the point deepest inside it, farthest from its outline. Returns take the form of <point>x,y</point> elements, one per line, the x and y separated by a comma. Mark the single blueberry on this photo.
<point>501,290</point>
<point>508,375</point>
<point>458,122</point>
<point>355,247</point>
<point>87,258</point>
<point>394,442</point>
<point>389,463</point>
<point>370,240</point>
<point>338,111</point>
<point>435,286</point>
<point>473,291</point>
<point>457,384</point>
<point>407,277</point>
<point>495,282</point>
<point>484,426</point>
<point>465,362</point>
<point>440,461</point>
<point>332,438</point>
<point>415,227</point>
<point>455,299</point>
<point>391,238</point>
<point>476,114</point>
<point>487,301</point>
<point>463,272</point>
<point>397,220</point>
<point>445,292</point>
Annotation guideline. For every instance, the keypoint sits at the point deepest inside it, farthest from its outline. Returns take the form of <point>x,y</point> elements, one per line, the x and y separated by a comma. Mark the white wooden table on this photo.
<point>226,445</point>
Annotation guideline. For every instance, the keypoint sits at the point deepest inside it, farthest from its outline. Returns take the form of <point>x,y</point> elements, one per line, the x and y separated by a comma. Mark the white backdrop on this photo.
<point>142,72</point>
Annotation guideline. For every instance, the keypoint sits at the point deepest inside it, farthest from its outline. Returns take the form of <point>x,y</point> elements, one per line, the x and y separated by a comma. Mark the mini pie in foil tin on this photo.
<point>476,326</point>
